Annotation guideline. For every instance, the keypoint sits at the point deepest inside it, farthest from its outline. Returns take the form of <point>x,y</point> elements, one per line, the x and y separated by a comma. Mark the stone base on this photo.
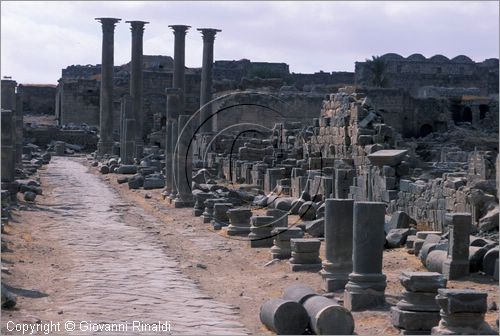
<point>306,267</point>
<point>414,320</point>
<point>205,219</point>
<point>454,269</point>
<point>443,329</point>
<point>238,230</point>
<point>182,204</point>
<point>280,252</point>
<point>267,242</point>
<point>333,282</point>
<point>197,212</point>
<point>363,299</point>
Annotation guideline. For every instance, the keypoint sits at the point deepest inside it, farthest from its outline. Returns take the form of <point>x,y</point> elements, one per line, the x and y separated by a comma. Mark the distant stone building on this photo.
<point>415,72</point>
<point>38,98</point>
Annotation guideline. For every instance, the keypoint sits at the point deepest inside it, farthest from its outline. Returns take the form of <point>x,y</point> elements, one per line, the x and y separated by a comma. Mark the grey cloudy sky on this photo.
<point>40,38</point>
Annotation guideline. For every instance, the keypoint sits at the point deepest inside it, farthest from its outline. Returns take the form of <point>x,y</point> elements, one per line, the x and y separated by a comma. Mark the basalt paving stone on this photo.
<point>122,273</point>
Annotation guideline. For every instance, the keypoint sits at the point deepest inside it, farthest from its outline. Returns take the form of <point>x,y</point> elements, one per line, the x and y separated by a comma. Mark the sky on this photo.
<point>40,38</point>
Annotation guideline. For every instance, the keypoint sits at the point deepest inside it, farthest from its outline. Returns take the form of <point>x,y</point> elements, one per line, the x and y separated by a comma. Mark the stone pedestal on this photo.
<point>338,243</point>
<point>220,217</point>
<point>239,222</point>
<point>462,313</point>
<point>106,100</point>
<point>282,235</point>
<point>305,255</point>
<point>260,231</point>
<point>418,311</point>
<point>280,217</point>
<point>199,205</point>
<point>208,214</point>
<point>366,286</point>
<point>456,264</point>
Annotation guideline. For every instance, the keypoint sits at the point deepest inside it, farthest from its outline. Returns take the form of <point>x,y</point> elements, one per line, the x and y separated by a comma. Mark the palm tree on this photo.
<point>377,66</point>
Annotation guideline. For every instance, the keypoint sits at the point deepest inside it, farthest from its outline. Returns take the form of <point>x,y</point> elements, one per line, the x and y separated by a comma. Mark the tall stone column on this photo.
<point>366,286</point>
<point>176,101</point>
<point>185,163</point>
<point>106,100</point>
<point>9,102</point>
<point>206,78</point>
<point>338,243</point>
<point>127,131</point>
<point>136,83</point>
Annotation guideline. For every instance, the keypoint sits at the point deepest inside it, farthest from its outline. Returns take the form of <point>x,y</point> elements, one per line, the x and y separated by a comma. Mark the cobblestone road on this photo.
<point>122,272</point>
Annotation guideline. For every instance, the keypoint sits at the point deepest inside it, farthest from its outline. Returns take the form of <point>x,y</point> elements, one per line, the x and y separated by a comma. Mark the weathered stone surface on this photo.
<point>327,317</point>
<point>457,264</point>
<point>422,281</point>
<point>220,217</point>
<point>387,157</point>
<point>135,182</point>
<point>239,221</point>
<point>284,204</point>
<point>296,205</point>
<point>305,255</point>
<point>284,317</point>
<point>414,320</point>
<point>307,211</point>
<point>489,221</point>
<point>397,237</point>
<point>298,293</point>
<point>489,261</point>
<point>366,285</point>
<point>429,243</point>
<point>435,259</point>
<point>9,300</point>
<point>280,217</point>
<point>127,169</point>
<point>400,220</point>
<point>154,182</point>
<point>454,301</point>
<point>29,196</point>
<point>316,228</point>
<point>104,169</point>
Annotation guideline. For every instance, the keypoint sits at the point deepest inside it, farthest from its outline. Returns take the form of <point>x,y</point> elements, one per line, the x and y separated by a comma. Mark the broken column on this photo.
<point>260,235</point>
<point>199,205</point>
<point>239,222</point>
<point>208,214</point>
<point>220,215</point>
<point>456,264</point>
<point>305,255</point>
<point>338,243</point>
<point>206,78</point>
<point>282,235</point>
<point>284,317</point>
<point>106,99</point>
<point>327,317</point>
<point>136,83</point>
<point>184,159</point>
<point>127,132</point>
<point>462,313</point>
<point>366,286</point>
<point>418,312</point>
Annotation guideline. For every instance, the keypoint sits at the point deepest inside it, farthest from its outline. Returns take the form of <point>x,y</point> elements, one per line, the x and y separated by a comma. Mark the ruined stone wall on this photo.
<point>416,71</point>
<point>38,99</point>
<point>337,77</point>
<point>79,101</point>
<point>266,110</point>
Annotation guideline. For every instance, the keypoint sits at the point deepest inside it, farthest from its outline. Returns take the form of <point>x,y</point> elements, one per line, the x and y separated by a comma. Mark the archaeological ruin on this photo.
<point>360,197</point>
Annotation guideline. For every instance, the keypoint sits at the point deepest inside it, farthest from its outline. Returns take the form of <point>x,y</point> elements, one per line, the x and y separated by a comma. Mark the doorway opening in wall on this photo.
<point>425,130</point>
<point>483,110</point>
<point>467,114</point>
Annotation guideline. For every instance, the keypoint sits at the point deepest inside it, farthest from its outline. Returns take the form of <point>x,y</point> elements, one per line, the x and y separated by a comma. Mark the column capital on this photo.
<point>108,24</point>
<point>137,25</point>
<point>208,33</point>
<point>180,29</point>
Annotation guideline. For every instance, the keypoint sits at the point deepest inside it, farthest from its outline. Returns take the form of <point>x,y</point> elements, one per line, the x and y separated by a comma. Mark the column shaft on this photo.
<point>106,98</point>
